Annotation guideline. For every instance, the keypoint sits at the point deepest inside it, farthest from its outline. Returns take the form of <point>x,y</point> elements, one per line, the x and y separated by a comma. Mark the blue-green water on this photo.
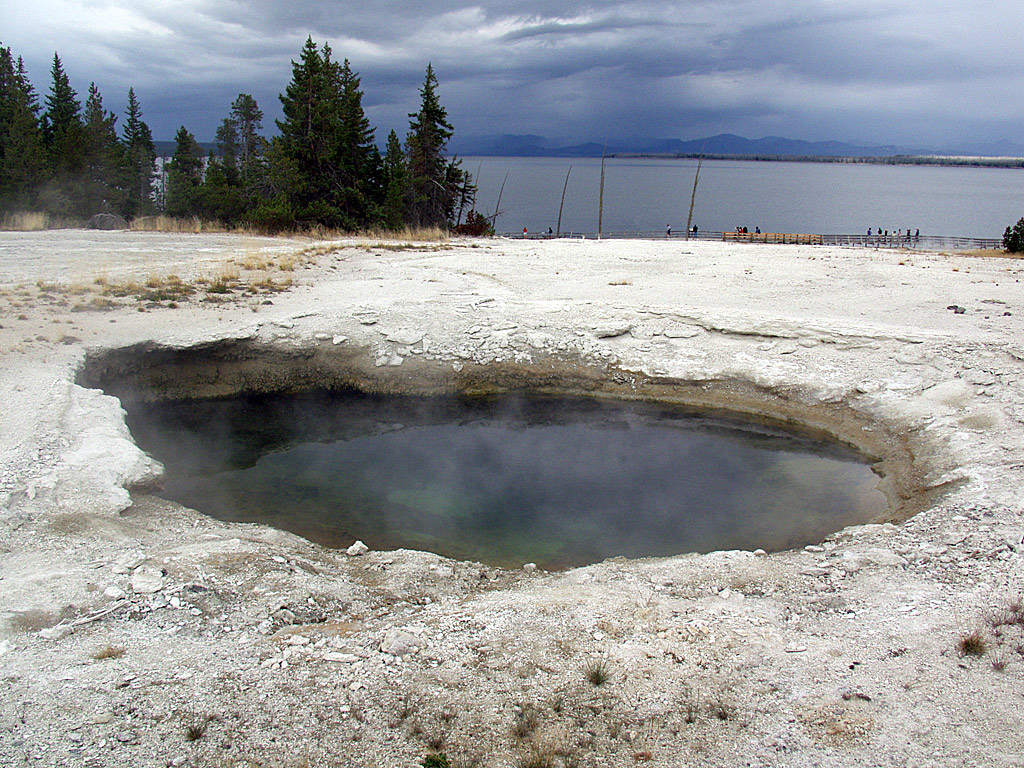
<point>504,480</point>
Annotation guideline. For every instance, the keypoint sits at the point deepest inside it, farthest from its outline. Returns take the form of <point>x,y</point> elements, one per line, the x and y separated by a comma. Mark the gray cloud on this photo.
<point>881,71</point>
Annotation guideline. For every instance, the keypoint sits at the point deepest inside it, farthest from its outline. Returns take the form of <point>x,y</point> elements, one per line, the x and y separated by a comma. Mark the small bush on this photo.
<point>598,673</point>
<point>537,759</point>
<point>476,225</point>
<point>195,725</point>
<point>1013,238</point>
<point>972,644</point>
<point>527,721</point>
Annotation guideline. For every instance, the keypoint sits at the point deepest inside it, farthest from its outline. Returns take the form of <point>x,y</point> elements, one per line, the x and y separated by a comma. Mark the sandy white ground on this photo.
<point>284,653</point>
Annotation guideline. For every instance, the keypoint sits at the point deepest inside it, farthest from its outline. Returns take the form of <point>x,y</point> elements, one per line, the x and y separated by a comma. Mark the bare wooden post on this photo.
<point>562,204</point>
<point>497,207</point>
<point>693,195</point>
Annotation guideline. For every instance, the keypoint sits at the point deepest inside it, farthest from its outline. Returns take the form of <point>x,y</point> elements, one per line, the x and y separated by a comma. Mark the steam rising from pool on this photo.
<point>504,480</point>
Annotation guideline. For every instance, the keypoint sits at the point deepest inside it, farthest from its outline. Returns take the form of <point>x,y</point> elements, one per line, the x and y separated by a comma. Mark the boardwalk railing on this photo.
<point>772,237</point>
<point>926,242</point>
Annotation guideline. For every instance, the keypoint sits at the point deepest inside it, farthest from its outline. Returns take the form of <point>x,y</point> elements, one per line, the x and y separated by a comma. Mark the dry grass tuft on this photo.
<point>25,222</point>
<point>990,253</point>
<point>527,720</point>
<point>412,234</point>
<point>255,263</point>
<point>194,725</point>
<point>192,225</point>
<point>972,644</point>
<point>268,284</point>
<point>109,652</point>
<point>289,262</point>
<point>598,672</point>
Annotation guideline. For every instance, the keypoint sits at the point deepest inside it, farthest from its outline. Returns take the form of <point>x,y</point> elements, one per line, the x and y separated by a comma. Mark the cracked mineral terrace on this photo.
<point>136,631</point>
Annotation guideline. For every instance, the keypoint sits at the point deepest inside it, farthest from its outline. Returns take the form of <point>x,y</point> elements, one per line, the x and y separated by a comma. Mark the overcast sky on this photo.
<point>921,73</point>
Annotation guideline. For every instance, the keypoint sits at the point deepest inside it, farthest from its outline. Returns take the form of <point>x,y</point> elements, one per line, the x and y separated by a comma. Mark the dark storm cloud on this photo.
<point>883,71</point>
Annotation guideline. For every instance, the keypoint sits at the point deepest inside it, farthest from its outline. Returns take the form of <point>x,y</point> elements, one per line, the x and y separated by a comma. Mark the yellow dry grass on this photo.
<point>193,225</point>
<point>989,253</point>
<point>24,222</point>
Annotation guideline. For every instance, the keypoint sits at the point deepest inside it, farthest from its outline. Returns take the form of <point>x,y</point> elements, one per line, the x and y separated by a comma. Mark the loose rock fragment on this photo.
<point>146,580</point>
<point>357,549</point>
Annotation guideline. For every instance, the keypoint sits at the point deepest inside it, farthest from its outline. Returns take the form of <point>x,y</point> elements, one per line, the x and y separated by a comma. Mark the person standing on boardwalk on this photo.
<point>668,230</point>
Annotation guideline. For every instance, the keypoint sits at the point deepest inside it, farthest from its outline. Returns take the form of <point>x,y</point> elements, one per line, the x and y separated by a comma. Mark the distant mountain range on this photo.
<point>509,145</point>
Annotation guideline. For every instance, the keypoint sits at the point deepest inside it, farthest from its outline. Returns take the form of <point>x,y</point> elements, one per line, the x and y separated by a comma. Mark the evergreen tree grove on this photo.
<point>324,169</point>
<point>22,158</point>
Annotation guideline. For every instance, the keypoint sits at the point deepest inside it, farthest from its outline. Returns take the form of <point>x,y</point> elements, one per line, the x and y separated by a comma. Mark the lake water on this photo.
<point>505,480</point>
<point>645,195</point>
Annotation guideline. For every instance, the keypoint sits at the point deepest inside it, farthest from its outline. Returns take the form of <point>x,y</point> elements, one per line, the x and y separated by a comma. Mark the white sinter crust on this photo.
<point>842,654</point>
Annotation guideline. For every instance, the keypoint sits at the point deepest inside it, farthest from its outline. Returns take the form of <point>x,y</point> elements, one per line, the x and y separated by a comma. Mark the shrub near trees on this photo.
<point>1013,237</point>
<point>323,169</point>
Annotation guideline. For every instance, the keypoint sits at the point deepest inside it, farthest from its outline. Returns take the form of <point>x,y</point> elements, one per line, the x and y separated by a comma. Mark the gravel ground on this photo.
<point>135,631</point>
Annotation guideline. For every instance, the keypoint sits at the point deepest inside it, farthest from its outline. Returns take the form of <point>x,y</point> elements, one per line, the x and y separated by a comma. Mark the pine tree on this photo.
<point>22,158</point>
<point>248,120</point>
<point>435,183</point>
<point>356,159</point>
<point>236,174</point>
<point>102,156</point>
<point>222,188</point>
<point>62,107</point>
<point>184,176</point>
<point>302,151</point>
<point>396,184</point>
<point>139,165</point>
<point>226,143</point>
<point>325,163</point>
<point>63,138</point>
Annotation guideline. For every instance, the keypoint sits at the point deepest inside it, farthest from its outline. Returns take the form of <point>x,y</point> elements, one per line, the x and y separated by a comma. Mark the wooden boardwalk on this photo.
<point>927,242</point>
<point>782,238</point>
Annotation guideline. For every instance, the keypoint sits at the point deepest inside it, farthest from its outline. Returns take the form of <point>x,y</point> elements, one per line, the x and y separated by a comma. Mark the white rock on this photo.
<point>114,593</point>
<point>339,340</point>
<point>357,549</point>
<point>146,580</point>
<point>404,336</point>
<point>343,658</point>
<point>680,331</point>
<point>611,329</point>
<point>400,643</point>
<point>854,561</point>
<point>56,632</point>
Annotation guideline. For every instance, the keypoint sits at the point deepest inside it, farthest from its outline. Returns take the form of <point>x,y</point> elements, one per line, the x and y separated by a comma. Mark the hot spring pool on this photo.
<point>504,480</point>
